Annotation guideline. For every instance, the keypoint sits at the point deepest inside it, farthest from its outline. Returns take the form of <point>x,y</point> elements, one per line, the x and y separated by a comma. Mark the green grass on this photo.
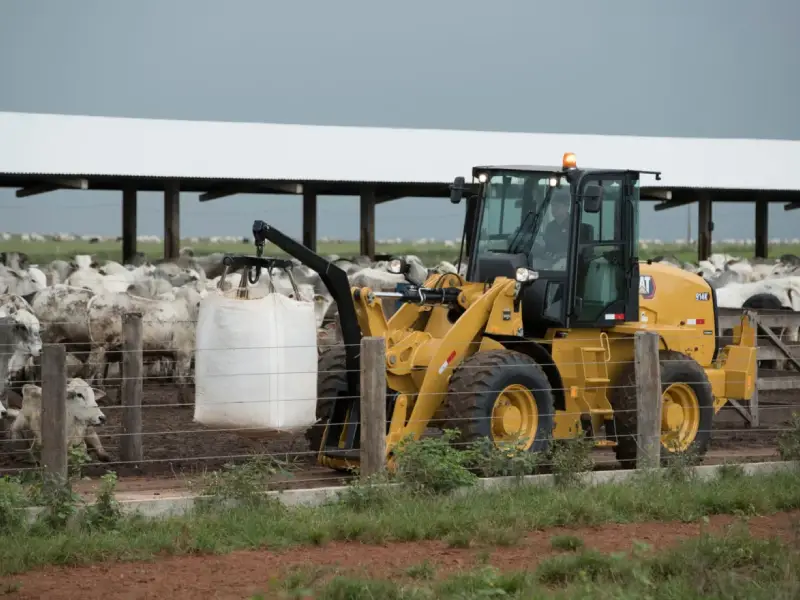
<point>730,566</point>
<point>43,252</point>
<point>478,517</point>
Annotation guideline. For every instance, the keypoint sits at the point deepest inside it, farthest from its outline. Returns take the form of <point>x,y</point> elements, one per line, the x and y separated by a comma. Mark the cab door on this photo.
<point>604,273</point>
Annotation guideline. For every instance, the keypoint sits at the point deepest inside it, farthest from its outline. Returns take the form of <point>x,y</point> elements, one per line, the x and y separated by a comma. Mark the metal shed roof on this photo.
<point>53,145</point>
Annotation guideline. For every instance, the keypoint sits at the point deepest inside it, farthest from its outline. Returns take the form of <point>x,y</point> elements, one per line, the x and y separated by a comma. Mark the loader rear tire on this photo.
<point>479,383</point>
<point>331,382</point>
<point>681,377</point>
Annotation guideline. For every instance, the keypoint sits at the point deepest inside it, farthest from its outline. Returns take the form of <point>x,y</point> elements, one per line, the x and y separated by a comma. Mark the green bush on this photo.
<point>789,440</point>
<point>12,501</point>
<point>105,513</point>
<point>433,465</point>
<point>569,459</point>
<point>488,459</point>
<point>245,483</point>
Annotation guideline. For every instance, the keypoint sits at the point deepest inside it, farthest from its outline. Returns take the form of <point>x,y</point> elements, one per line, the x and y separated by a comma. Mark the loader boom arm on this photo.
<point>335,279</point>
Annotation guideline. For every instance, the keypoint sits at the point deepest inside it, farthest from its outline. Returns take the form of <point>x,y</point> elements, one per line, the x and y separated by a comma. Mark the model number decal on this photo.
<point>701,296</point>
<point>647,287</point>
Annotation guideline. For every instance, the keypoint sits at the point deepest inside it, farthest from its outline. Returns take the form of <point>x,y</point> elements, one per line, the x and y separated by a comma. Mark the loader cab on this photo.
<point>569,236</point>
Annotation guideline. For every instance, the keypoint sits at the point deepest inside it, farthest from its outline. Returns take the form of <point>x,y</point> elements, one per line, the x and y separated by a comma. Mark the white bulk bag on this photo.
<point>256,364</point>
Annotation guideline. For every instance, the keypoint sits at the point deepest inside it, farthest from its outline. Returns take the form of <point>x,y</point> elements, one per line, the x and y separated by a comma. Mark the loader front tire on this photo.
<point>684,383</point>
<point>331,383</point>
<point>502,395</point>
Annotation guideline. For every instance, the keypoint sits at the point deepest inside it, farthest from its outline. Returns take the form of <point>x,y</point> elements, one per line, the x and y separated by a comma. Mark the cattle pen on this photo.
<point>155,447</point>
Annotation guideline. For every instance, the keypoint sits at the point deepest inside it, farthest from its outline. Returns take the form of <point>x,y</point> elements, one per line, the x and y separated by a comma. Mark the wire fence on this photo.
<point>151,423</point>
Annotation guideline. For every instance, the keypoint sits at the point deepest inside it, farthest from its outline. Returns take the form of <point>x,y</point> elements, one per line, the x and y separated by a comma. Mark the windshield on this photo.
<point>517,206</point>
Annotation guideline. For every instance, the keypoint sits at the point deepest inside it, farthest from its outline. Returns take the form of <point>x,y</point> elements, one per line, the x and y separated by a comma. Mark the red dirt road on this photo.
<point>241,574</point>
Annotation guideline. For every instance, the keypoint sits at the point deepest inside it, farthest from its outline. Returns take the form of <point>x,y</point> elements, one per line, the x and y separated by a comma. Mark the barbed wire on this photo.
<point>286,454</point>
<point>509,343</point>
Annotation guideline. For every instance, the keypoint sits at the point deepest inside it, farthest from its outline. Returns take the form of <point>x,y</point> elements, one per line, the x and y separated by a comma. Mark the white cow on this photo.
<point>168,329</point>
<point>83,415</point>
<point>19,341</point>
<point>786,289</point>
<point>19,282</point>
<point>85,274</point>
<point>153,287</point>
<point>63,312</point>
<point>57,272</point>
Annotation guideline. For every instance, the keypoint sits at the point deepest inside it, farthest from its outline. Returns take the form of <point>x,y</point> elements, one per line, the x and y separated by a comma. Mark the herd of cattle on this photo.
<point>80,303</point>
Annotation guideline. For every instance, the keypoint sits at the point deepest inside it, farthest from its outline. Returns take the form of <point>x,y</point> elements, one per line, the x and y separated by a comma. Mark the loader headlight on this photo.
<point>524,275</point>
<point>396,266</point>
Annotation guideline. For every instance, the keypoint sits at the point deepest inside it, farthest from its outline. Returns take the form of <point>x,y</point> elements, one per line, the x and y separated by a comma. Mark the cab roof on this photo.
<point>558,170</point>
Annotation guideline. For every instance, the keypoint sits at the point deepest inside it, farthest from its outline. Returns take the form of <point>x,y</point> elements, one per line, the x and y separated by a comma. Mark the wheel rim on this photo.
<point>515,417</point>
<point>680,417</point>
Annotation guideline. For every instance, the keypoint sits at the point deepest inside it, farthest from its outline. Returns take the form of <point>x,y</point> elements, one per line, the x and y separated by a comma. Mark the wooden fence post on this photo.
<point>373,406</point>
<point>648,399</point>
<point>54,414</point>
<point>131,443</point>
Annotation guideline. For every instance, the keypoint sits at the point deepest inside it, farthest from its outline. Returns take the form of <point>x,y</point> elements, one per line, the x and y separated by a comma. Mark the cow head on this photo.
<point>322,305</point>
<point>84,261</point>
<point>82,402</point>
<point>23,338</point>
<point>15,260</point>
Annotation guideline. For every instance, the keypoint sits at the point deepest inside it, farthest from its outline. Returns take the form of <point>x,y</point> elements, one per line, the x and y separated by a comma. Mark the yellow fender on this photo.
<point>456,345</point>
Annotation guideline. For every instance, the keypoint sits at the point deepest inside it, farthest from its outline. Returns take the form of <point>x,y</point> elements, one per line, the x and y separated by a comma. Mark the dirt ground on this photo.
<point>172,442</point>
<point>241,574</point>
<point>175,448</point>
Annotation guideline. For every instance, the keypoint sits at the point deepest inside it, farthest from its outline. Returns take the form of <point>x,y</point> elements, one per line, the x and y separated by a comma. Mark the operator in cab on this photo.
<point>556,233</point>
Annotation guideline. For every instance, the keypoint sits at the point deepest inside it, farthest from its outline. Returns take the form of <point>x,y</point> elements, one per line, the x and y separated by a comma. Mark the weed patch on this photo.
<point>569,458</point>
<point>105,512</point>
<point>789,440</point>
<point>507,460</point>
<point>569,543</point>
<point>433,465</point>
<point>245,483</point>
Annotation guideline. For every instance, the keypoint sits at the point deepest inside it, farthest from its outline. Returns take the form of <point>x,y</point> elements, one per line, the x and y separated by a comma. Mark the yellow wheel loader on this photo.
<point>536,341</point>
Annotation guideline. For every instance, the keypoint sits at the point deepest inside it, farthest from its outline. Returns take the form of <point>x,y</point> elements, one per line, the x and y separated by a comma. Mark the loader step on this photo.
<point>605,443</point>
<point>347,454</point>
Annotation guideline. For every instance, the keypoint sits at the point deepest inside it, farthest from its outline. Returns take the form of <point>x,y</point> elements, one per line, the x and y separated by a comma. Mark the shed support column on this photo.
<point>762,228</point>
<point>704,226</point>
<point>368,222</point>
<point>128,225</point>
<point>310,219</point>
<point>172,221</point>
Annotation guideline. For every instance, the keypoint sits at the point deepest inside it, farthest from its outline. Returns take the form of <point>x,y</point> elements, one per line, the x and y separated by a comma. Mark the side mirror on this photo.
<point>592,198</point>
<point>457,190</point>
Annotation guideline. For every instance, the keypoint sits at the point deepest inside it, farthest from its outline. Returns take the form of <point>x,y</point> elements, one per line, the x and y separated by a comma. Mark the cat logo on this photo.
<point>647,287</point>
<point>701,296</point>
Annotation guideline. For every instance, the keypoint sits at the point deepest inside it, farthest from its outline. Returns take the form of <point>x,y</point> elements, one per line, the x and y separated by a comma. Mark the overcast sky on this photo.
<point>717,68</point>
